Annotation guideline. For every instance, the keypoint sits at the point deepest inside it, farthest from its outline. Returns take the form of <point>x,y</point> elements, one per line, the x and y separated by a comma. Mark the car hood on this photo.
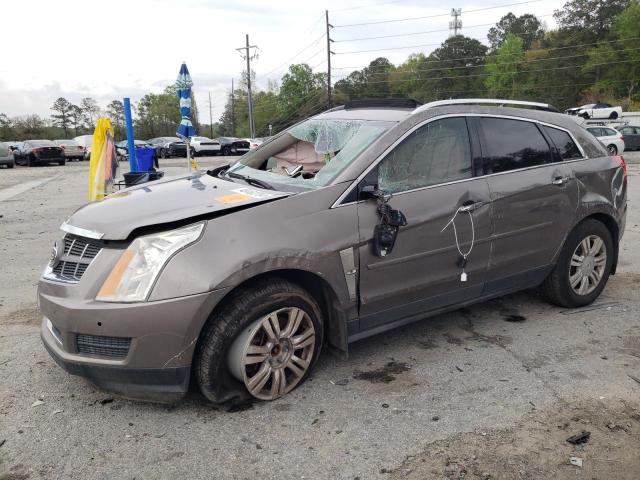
<point>164,201</point>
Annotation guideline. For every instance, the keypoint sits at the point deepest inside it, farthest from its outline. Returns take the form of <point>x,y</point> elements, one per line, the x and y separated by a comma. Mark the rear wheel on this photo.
<point>62,162</point>
<point>612,149</point>
<point>613,115</point>
<point>10,165</point>
<point>262,343</point>
<point>585,115</point>
<point>31,161</point>
<point>583,266</point>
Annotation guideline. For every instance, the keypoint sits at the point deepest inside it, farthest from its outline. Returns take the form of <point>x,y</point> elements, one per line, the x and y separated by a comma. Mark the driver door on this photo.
<point>430,174</point>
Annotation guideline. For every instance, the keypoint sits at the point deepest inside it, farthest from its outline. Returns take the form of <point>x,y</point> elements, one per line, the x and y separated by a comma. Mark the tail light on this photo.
<point>80,147</point>
<point>623,164</point>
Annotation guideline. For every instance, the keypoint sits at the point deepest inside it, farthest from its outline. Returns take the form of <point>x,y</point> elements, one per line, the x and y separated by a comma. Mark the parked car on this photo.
<point>167,147</point>
<point>85,141</point>
<point>610,138</point>
<point>122,148</point>
<point>204,146</point>
<point>6,155</point>
<point>233,146</point>
<point>631,137</point>
<point>254,142</point>
<point>72,149</point>
<point>337,229</point>
<point>596,110</point>
<point>40,152</point>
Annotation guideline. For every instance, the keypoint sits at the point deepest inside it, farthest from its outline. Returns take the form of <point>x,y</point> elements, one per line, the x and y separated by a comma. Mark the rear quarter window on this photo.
<point>565,145</point>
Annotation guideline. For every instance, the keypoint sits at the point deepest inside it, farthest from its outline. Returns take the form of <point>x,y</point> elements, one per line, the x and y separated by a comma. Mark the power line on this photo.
<point>511,73</point>
<point>519,62</point>
<point>434,16</point>
<point>297,54</point>
<point>527,51</point>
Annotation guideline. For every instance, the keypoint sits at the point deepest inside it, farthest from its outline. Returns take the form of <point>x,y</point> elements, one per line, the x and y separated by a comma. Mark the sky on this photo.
<point>111,49</point>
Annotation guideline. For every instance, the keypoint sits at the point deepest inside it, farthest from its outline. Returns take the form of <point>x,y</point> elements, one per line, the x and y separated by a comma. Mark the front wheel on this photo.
<point>612,149</point>
<point>585,115</point>
<point>613,115</point>
<point>583,266</point>
<point>262,343</point>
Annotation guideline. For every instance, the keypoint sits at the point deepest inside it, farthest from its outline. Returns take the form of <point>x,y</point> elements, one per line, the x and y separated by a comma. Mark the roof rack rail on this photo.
<point>382,103</point>
<point>480,101</point>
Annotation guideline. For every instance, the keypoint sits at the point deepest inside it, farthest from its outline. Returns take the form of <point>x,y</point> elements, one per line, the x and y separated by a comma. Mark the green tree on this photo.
<point>626,29</point>
<point>526,26</point>
<point>64,111</point>
<point>7,131</point>
<point>300,87</point>
<point>589,18</point>
<point>91,111</point>
<point>77,118</point>
<point>115,111</point>
<point>504,69</point>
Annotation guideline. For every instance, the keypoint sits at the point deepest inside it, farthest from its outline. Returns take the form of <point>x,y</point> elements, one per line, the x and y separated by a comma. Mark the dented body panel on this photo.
<point>520,221</point>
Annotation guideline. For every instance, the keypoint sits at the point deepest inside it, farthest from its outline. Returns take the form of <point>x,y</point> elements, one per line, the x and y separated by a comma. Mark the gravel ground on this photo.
<point>469,394</point>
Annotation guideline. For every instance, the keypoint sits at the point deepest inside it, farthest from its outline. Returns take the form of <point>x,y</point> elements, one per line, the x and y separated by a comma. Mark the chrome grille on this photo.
<point>77,256</point>
<point>99,346</point>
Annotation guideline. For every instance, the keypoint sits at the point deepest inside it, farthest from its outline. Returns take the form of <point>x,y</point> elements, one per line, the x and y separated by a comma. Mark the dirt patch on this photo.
<point>512,315</point>
<point>427,344</point>
<point>453,340</point>
<point>16,472</point>
<point>537,447</point>
<point>24,316</point>
<point>384,374</point>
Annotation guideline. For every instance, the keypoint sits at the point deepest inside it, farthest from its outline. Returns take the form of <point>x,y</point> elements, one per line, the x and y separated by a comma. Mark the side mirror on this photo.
<point>371,192</point>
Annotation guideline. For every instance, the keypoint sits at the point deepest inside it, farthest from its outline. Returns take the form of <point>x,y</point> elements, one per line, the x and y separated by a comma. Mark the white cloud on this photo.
<point>107,50</point>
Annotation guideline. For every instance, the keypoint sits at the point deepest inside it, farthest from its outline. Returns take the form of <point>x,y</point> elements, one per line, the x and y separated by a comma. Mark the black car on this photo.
<point>167,147</point>
<point>233,146</point>
<point>40,152</point>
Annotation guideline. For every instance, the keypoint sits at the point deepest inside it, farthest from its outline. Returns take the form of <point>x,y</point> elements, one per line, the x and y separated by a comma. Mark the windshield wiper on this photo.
<point>250,180</point>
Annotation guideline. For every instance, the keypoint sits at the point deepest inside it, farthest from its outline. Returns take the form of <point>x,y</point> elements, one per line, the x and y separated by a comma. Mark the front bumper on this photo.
<point>163,336</point>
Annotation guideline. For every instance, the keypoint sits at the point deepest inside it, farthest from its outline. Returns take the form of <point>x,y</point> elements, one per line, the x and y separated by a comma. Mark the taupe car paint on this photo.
<point>520,221</point>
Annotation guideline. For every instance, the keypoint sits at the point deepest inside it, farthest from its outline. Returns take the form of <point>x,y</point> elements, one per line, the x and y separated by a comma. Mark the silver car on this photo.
<point>6,155</point>
<point>72,149</point>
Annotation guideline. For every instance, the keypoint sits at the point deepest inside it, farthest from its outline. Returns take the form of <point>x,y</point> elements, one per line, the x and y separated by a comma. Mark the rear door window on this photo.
<point>564,143</point>
<point>437,152</point>
<point>609,132</point>
<point>512,144</point>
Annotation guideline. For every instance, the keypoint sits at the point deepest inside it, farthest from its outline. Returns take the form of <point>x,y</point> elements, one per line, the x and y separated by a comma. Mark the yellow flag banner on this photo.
<point>103,161</point>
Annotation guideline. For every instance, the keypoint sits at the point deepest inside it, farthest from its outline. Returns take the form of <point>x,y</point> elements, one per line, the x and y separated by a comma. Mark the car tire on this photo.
<point>62,162</point>
<point>557,287</point>
<point>31,161</point>
<point>612,149</point>
<point>585,115</point>
<point>10,165</point>
<point>226,152</point>
<point>613,115</point>
<point>219,360</point>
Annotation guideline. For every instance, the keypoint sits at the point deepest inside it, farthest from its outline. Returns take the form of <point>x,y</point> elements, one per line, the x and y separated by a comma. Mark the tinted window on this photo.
<point>610,132</point>
<point>437,152</point>
<point>564,143</point>
<point>512,144</point>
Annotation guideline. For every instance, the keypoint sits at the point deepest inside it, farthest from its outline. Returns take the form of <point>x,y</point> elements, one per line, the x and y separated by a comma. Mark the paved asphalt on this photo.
<point>470,370</point>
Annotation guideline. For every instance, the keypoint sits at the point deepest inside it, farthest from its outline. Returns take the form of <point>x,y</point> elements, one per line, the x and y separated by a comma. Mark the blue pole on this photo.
<point>133,164</point>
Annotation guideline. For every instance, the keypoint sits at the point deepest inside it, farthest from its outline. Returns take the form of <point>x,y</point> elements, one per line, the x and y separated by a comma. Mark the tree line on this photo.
<point>593,55</point>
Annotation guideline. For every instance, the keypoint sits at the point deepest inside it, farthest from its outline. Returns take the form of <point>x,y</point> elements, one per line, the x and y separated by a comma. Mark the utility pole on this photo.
<point>210,115</point>
<point>329,53</point>
<point>233,111</point>
<point>247,55</point>
<point>456,23</point>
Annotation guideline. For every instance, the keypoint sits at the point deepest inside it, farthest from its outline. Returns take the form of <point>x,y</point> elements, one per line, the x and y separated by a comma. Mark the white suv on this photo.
<point>610,138</point>
<point>203,146</point>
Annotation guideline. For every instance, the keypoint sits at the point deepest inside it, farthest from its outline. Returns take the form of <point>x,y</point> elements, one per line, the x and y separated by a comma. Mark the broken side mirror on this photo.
<point>384,238</point>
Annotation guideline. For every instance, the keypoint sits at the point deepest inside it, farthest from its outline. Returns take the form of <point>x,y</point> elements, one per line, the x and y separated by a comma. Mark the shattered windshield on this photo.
<point>310,154</point>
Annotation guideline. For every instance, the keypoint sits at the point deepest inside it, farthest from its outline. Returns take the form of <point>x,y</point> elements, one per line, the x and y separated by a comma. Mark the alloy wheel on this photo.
<point>588,264</point>
<point>274,353</point>
<point>612,149</point>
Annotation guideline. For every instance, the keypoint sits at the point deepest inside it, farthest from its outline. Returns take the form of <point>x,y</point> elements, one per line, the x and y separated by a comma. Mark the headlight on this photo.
<point>135,273</point>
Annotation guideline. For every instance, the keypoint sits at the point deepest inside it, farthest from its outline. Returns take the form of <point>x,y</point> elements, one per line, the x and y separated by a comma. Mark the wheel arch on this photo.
<point>335,320</point>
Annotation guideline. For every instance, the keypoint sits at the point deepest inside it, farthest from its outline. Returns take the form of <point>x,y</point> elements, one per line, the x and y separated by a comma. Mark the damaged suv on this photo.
<point>361,219</point>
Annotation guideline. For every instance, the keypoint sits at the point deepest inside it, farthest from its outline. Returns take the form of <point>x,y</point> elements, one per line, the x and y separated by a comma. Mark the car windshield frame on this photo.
<point>42,143</point>
<point>340,142</point>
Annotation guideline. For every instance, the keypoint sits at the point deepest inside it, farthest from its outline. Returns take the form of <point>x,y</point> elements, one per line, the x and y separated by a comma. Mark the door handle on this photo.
<point>469,206</point>
<point>560,180</point>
